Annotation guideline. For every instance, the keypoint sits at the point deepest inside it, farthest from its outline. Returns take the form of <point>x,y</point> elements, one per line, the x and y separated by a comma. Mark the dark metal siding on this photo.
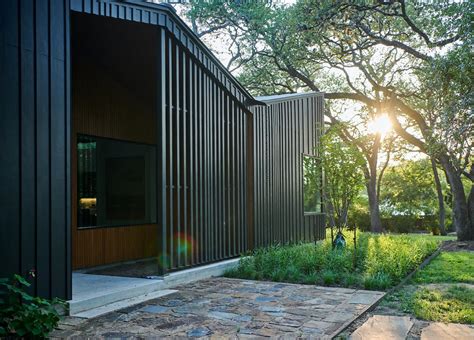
<point>201,153</point>
<point>202,163</point>
<point>228,180</point>
<point>284,131</point>
<point>34,139</point>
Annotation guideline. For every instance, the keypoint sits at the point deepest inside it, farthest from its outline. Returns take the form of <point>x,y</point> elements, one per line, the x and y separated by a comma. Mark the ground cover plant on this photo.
<point>442,291</point>
<point>381,261</point>
<point>455,267</point>
<point>23,315</point>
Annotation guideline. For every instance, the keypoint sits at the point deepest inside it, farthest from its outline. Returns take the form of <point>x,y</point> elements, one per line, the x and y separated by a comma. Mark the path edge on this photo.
<point>390,291</point>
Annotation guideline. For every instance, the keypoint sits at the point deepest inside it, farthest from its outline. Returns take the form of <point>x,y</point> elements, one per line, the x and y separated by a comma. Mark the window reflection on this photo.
<point>312,185</point>
<point>116,182</point>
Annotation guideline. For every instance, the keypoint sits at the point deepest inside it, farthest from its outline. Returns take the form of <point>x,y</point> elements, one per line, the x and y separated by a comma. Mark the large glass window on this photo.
<point>312,185</point>
<point>116,182</point>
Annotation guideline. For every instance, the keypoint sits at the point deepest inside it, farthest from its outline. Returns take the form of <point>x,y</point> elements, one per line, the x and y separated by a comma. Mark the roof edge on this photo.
<point>284,97</point>
<point>172,11</point>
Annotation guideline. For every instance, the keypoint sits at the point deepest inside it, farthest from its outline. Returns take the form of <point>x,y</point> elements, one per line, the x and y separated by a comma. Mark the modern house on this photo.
<point>124,138</point>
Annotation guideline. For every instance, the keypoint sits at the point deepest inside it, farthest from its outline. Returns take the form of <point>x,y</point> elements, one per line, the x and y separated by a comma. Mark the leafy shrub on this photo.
<point>24,315</point>
<point>398,223</point>
<point>329,277</point>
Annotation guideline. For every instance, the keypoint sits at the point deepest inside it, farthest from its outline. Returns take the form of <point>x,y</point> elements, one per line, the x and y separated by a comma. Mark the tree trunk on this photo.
<point>439,191</point>
<point>470,205</point>
<point>370,173</point>
<point>470,199</point>
<point>371,185</point>
<point>375,220</point>
<point>460,206</point>
<point>330,212</point>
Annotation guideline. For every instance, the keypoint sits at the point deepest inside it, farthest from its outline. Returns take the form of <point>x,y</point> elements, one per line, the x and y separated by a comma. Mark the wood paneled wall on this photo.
<point>102,105</point>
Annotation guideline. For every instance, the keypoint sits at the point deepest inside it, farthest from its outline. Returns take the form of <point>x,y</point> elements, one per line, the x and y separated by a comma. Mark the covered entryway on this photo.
<point>113,147</point>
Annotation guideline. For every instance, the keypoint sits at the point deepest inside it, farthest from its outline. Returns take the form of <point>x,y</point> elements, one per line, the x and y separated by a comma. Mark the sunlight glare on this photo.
<point>380,124</point>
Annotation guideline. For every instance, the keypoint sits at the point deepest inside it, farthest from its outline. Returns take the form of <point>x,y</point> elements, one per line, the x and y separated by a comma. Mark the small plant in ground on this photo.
<point>24,315</point>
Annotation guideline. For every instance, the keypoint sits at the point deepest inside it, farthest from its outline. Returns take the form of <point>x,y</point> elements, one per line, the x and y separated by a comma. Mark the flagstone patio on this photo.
<point>221,307</point>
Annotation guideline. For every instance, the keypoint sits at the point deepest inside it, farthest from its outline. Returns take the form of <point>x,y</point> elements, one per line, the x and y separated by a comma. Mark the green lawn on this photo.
<point>448,267</point>
<point>439,292</point>
<point>381,261</point>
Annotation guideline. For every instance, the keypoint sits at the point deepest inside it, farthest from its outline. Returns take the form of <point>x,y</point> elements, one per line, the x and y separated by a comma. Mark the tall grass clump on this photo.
<point>391,257</point>
<point>381,261</point>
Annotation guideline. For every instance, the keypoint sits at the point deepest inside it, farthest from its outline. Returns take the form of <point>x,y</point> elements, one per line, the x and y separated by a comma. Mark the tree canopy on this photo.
<point>410,61</point>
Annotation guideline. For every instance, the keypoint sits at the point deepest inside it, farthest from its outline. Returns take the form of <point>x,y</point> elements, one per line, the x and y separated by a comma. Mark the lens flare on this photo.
<point>184,244</point>
<point>163,260</point>
<point>381,125</point>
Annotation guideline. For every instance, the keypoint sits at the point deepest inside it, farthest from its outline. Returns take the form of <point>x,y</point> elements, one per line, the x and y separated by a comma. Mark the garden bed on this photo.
<point>381,261</point>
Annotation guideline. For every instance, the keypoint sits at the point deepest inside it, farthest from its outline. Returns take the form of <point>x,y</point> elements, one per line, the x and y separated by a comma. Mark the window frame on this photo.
<point>77,207</point>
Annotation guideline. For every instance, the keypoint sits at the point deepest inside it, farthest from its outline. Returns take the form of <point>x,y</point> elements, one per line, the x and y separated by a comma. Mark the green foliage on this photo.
<point>408,189</point>
<point>449,87</point>
<point>396,255</point>
<point>342,165</point>
<point>442,303</point>
<point>455,304</point>
<point>382,261</point>
<point>312,184</point>
<point>437,295</point>
<point>454,267</point>
<point>24,315</point>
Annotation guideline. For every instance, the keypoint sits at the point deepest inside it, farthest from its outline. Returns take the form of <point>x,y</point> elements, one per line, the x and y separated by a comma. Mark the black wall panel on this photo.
<point>284,130</point>
<point>197,116</point>
<point>229,179</point>
<point>34,129</point>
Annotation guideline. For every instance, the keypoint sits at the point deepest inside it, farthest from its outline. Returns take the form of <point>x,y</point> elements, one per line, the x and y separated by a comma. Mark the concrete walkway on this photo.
<point>231,308</point>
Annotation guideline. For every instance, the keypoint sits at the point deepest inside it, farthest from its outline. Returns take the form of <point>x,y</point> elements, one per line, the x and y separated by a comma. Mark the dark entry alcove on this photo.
<point>114,90</point>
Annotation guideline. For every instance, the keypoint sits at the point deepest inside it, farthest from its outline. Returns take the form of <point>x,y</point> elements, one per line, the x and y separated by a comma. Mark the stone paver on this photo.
<point>384,327</point>
<point>442,331</point>
<point>231,308</point>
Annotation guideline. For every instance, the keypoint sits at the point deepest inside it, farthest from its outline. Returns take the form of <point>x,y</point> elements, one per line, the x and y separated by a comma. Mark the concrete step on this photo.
<point>91,291</point>
<point>92,313</point>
